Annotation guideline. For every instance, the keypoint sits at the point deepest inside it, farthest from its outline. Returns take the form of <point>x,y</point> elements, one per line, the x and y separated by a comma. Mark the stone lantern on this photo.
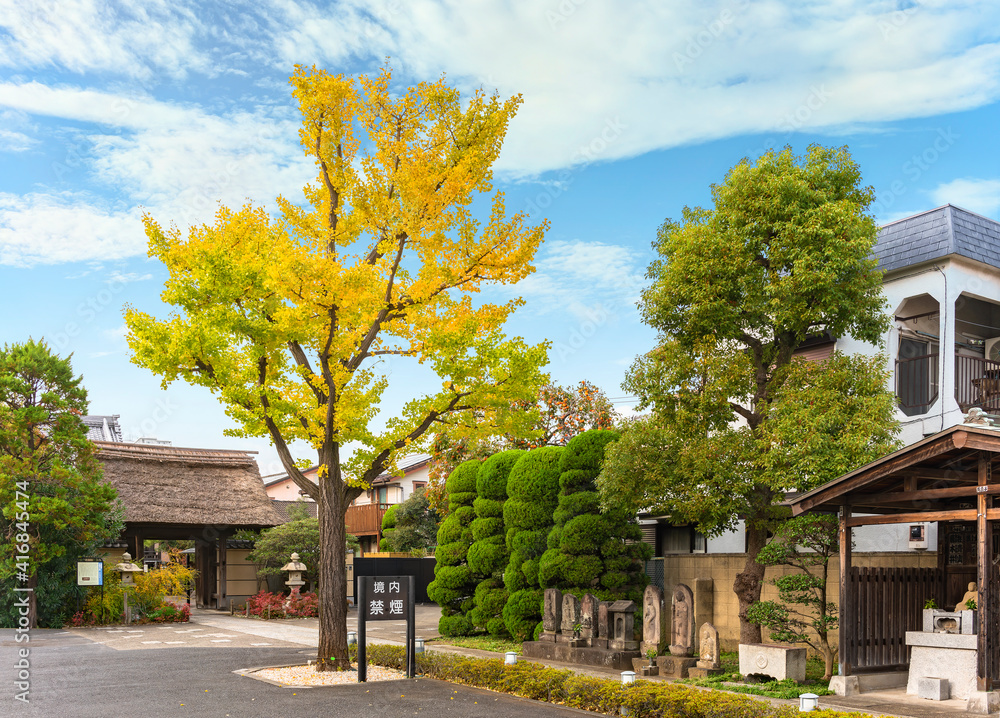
<point>295,569</point>
<point>127,568</point>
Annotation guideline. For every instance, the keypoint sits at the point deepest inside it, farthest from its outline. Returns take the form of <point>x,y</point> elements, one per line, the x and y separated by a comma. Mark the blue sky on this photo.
<point>631,110</point>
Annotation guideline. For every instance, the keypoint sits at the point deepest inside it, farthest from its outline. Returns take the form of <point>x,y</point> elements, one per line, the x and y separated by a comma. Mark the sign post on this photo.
<point>386,598</point>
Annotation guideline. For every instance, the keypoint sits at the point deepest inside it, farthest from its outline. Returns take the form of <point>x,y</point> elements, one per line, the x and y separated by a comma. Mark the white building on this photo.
<point>942,286</point>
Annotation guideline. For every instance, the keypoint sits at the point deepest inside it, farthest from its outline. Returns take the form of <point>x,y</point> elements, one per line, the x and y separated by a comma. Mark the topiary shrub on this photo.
<point>488,556</point>
<point>588,550</point>
<point>532,489</point>
<point>454,582</point>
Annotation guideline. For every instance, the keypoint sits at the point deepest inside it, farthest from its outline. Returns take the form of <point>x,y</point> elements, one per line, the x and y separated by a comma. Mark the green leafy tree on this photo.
<point>416,524</point>
<point>802,613</point>
<point>388,527</point>
<point>275,546</point>
<point>488,555</point>
<point>532,496</point>
<point>590,551</point>
<point>554,416</point>
<point>783,255</point>
<point>288,319</point>
<point>55,505</point>
<point>454,585</point>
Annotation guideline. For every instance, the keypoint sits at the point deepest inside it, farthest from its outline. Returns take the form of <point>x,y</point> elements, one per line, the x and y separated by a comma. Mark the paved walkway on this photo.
<point>212,629</point>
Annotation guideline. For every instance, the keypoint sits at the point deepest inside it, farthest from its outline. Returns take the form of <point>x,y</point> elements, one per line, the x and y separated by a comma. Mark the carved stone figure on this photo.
<point>682,643</point>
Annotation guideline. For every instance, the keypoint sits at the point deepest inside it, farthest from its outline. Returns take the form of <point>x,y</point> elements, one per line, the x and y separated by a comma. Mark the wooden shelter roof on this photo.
<point>937,474</point>
<point>172,485</point>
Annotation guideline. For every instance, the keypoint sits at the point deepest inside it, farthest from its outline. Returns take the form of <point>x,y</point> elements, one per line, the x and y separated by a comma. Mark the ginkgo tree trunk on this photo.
<point>290,318</point>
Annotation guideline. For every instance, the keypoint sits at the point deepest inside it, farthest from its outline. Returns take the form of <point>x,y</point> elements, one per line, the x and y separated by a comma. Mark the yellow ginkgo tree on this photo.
<point>291,319</point>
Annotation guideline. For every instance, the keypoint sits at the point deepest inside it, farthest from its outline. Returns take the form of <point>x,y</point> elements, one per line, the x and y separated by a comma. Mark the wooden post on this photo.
<point>222,569</point>
<point>984,535</point>
<point>848,629</point>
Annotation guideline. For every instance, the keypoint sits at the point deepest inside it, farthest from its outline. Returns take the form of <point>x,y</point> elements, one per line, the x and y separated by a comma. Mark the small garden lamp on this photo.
<point>418,645</point>
<point>352,638</point>
<point>808,702</point>
<point>127,569</point>
<point>510,658</point>
<point>628,677</point>
<point>295,569</point>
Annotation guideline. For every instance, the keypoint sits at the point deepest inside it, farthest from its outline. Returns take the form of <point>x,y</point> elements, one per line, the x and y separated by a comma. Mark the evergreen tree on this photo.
<point>532,490</point>
<point>453,585</point>
<point>55,505</point>
<point>488,555</point>
<point>590,551</point>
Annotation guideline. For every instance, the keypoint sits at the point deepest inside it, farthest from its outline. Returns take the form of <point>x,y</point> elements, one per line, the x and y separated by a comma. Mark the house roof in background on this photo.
<point>282,507</point>
<point>938,233</point>
<point>174,485</point>
<point>102,428</point>
<point>406,465</point>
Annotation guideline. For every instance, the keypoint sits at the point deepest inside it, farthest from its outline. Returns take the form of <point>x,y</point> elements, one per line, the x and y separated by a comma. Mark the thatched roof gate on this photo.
<point>204,495</point>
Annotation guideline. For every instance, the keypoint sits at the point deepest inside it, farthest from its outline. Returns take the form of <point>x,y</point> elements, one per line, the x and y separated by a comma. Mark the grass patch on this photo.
<point>482,643</point>
<point>773,689</point>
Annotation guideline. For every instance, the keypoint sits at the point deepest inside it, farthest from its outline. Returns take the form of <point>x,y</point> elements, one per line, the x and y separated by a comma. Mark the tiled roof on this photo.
<point>937,233</point>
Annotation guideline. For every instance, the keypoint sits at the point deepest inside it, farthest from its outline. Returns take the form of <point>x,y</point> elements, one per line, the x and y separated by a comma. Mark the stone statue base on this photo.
<point>699,672</point>
<point>549,636</point>
<point>675,666</point>
<point>619,660</point>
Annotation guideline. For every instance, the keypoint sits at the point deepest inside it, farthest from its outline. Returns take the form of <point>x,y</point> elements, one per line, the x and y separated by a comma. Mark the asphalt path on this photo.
<point>72,676</point>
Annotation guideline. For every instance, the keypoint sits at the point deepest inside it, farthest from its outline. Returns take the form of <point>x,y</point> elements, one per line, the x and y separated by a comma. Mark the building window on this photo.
<point>419,485</point>
<point>382,495</point>
<point>681,539</point>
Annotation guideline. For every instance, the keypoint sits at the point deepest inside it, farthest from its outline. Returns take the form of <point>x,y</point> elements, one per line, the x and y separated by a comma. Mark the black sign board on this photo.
<point>386,598</point>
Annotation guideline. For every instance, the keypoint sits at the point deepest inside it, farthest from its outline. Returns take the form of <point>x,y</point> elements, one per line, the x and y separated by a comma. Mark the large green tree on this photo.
<point>783,255</point>
<point>290,320</point>
<point>55,505</point>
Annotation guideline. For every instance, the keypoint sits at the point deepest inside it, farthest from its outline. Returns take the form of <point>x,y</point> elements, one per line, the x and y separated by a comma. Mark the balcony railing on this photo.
<point>977,383</point>
<point>365,520</point>
<point>917,383</point>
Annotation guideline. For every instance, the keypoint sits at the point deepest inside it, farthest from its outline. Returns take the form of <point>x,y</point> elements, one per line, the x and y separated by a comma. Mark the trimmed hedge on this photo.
<point>642,699</point>
<point>533,489</point>
<point>489,555</point>
<point>454,582</point>
<point>587,550</point>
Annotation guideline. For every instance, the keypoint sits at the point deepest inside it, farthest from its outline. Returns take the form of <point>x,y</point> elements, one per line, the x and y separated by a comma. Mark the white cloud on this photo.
<point>50,229</point>
<point>590,280</point>
<point>976,195</point>
<point>11,141</point>
<point>134,39</point>
<point>177,161</point>
<point>603,80</point>
<point>117,277</point>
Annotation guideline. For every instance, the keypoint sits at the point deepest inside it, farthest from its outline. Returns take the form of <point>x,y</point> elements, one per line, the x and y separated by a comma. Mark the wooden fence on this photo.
<point>888,602</point>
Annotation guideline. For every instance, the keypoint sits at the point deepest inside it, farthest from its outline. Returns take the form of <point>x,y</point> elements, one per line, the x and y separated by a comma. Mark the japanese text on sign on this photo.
<point>385,599</point>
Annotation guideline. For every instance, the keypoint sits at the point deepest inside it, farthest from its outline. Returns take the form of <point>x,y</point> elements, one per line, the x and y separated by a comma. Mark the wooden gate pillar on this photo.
<point>848,625</point>
<point>984,536</point>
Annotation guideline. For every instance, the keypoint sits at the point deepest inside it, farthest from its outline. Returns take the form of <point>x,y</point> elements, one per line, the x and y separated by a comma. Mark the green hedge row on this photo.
<point>600,695</point>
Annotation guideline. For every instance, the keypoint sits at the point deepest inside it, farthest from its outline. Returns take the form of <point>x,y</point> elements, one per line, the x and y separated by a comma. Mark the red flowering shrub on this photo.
<point>266,605</point>
<point>304,605</point>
